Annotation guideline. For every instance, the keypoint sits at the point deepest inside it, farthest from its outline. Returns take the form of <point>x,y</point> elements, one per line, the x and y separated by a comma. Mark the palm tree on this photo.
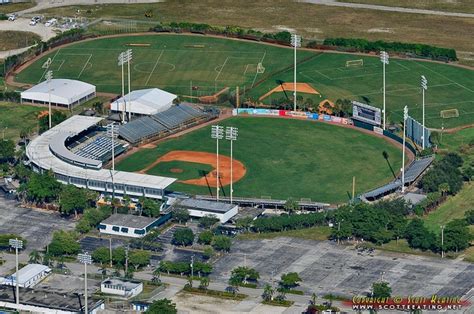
<point>268,292</point>
<point>35,257</point>
<point>204,283</point>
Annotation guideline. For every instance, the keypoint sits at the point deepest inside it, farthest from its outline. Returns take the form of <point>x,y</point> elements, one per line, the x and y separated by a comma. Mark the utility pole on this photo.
<point>296,43</point>
<point>217,132</point>
<point>231,134</point>
<point>85,258</point>
<point>192,266</point>
<point>424,87</point>
<point>384,58</point>
<point>405,117</point>
<point>17,244</point>
<point>442,241</point>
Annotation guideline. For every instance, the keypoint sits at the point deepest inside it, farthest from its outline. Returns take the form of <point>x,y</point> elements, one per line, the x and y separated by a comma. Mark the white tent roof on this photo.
<point>145,101</point>
<point>63,91</point>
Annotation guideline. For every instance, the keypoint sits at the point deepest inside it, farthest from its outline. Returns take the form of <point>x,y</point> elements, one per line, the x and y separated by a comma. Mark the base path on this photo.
<point>300,88</point>
<point>204,158</point>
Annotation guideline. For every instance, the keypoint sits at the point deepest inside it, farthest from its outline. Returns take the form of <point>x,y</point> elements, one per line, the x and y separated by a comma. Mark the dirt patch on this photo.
<point>204,158</point>
<point>148,146</point>
<point>212,98</point>
<point>300,88</point>
<point>176,170</point>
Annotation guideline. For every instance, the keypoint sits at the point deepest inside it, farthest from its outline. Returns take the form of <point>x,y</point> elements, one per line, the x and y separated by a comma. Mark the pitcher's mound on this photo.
<point>176,170</point>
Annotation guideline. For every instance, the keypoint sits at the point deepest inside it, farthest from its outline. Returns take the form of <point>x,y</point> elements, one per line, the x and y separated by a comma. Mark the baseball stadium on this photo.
<point>278,155</point>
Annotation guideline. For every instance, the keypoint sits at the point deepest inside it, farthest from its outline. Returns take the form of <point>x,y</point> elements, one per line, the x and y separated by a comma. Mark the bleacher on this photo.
<point>169,121</point>
<point>100,149</point>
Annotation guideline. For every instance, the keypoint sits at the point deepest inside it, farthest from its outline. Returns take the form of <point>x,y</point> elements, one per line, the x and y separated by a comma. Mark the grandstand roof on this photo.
<point>145,101</point>
<point>38,151</point>
<point>63,91</point>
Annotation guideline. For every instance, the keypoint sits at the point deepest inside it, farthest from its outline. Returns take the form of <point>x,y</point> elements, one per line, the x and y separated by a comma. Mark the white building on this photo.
<point>128,225</point>
<point>201,208</point>
<point>29,276</point>
<point>144,102</point>
<point>64,93</point>
<point>127,289</point>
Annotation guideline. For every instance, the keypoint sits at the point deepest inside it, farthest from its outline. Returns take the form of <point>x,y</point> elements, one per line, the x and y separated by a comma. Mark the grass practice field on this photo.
<point>12,114</point>
<point>199,65</point>
<point>286,158</point>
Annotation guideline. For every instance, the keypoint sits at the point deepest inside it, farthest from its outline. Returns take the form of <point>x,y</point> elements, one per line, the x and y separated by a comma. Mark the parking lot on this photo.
<point>327,267</point>
<point>35,226</point>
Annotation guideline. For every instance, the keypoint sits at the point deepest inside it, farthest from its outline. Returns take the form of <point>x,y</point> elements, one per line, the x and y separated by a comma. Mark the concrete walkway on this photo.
<point>335,3</point>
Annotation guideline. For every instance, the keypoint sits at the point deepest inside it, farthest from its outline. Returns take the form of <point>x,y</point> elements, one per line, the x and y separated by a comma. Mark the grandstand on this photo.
<point>413,172</point>
<point>174,119</point>
<point>100,149</point>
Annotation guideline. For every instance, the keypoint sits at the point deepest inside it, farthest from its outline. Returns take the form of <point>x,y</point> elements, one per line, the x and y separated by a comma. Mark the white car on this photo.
<point>50,23</point>
<point>33,22</point>
<point>12,17</point>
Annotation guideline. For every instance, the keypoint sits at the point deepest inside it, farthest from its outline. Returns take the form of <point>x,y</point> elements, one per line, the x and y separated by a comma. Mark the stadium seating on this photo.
<point>169,121</point>
<point>100,149</point>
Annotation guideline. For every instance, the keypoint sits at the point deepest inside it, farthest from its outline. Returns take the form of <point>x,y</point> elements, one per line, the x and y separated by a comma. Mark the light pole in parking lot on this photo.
<point>296,43</point>
<point>16,244</point>
<point>384,59</point>
<point>49,77</point>
<point>405,117</point>
<point>231,134</point>
<point>85,259</point>
<point>217,132</point>
<point>424,87</point>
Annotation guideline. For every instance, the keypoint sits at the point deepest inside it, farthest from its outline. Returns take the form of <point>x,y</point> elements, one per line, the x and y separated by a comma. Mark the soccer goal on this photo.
<point>354,63</point>
<point>450,113</point>
<point>260,68</point>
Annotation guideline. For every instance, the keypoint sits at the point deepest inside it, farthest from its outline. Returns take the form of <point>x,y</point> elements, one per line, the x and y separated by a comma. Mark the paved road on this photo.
<point>386,8</point>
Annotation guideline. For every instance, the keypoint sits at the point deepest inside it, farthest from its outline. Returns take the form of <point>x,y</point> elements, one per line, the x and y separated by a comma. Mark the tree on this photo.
<point>181,215</point>
<point>35,257</point>
<point>98,107</point>
<point>139,258</point>
<point>64,243</point>
<point>244,223</point>
<point>268,292</point>
<point>221,243</point>
<point>43,187</point>
<point>243,274</point>
<point>204,283</point>
<point>291,206</point>
<point>233,285</point>
<point>118,256</point>
<point>183,236</point>
<point>208,252</point>
<point>208,221</point>
<point>469,216</point>
<point>74,200</point>
<point>443,188</point>
<point>381,290</point>
<point>418,236</point>
<point>56,118</point>
<point>101,255</point>
<point>150,208</point>
<point>456,235</point>
<point>7,150</point>
<point>289,280</point>
<point>163,306</point>
<point>205,237</point>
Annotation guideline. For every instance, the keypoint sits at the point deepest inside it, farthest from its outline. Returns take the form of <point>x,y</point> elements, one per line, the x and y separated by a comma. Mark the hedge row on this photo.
<point>419,50</point>
<point>288,222</point>
<point>11,96</point>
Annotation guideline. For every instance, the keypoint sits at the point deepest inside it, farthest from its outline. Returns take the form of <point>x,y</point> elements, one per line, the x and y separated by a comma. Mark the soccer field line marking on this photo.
<point>46,70</point>
<point>60,66</point>
<point>403,66</point>
<point>353,76</point>
<point>154,67</point>
<point>256,73</point>
<point>220,71</point>
<point>85,64</point>
<point>246,68</point>
<point>442,75</point>
<point>395,90</point>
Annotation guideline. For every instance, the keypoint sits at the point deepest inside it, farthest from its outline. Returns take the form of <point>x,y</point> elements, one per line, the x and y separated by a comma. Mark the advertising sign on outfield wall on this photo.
<point>289,113</point>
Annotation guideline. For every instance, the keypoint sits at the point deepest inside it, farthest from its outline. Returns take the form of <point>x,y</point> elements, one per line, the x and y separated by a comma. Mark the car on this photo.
<point>12,17</point>
<point>50,23</point>
<point>32,22</point>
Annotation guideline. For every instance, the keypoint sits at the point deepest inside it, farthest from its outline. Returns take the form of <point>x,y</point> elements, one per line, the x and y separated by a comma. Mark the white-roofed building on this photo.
<point>64,93</point>
<point>144,102</point>
<point>29,276</point>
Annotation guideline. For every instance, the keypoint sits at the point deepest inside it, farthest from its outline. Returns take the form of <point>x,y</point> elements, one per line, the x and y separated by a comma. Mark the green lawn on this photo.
<point>289,158</point>
<point>172,62</point>
<point>190,170</point>
<point>319,233</point>
<point>453,208</point>
<point>16,117</point>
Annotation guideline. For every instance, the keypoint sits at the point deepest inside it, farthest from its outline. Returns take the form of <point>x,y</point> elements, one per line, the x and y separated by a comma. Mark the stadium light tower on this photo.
<point>129,58</point>
<point>296,43</point>
<point>424,87</point>
<point>384,58</point>
<point>217,132</point>
<point>405,117</point>
<point>112,132</point>
<point>231,134</point>
<point>123,58</point>
<point>85,259</point>
<point>49,77</point>
<point>16,244</point>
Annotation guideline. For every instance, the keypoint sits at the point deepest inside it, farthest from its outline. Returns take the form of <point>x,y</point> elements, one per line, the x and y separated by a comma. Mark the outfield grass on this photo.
<point>453,208</point>
<point>16,117</point>
<point>172,63</point>
<point>288,158</point>
<point>319,233</point>
<point>309,20</point>
<point>190,170</point>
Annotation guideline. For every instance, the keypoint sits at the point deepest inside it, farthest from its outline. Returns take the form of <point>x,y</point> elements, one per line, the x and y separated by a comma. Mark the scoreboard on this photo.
<point>366,113</point>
